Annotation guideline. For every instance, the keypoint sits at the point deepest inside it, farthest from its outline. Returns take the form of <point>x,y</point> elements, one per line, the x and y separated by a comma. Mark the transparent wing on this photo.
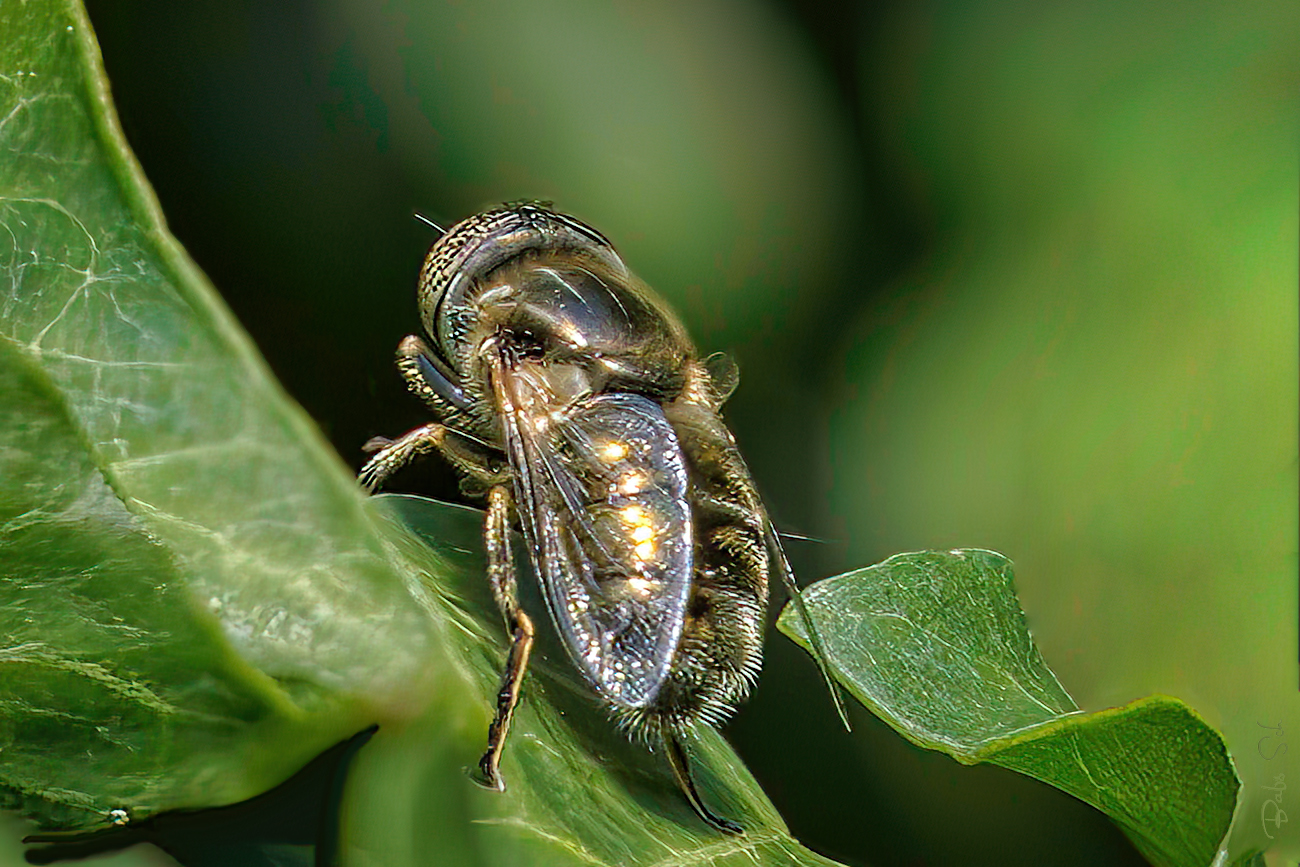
<point>601,494</point>
<point>724,373</point>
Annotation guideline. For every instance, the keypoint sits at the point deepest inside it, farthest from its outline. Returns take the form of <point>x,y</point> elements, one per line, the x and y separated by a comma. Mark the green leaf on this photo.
<point>192,584</point>
<point>195,596</point>
<point>577,789</point>
<point>1252,858</point>
<point>936,645</point>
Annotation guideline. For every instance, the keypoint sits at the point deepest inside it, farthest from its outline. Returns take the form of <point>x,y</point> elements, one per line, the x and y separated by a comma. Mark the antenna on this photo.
<point>430,223</point>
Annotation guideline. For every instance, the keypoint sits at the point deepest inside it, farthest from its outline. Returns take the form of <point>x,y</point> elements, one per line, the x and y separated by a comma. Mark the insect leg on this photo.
<point>428,377</point>
<point>814,637</point>
<point>501,574</point>
<point>464,451</point>
<point>682,773</point>
<point>391,455</point>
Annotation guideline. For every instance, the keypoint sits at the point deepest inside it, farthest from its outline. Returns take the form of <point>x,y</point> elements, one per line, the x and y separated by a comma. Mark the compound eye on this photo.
<point>561,310</point>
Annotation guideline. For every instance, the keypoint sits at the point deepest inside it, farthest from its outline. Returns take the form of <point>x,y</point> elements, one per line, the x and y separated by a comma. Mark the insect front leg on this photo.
<point>428,378</point>
<point>501,574</point>
<point>468,453</point>
<point>391,455</point>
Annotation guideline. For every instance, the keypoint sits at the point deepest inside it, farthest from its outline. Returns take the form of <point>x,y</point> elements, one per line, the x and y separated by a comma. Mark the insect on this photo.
<point>571,398</point>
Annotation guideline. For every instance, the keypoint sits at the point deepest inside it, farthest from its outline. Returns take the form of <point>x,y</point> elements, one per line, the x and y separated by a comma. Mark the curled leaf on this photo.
<point>935,644</point>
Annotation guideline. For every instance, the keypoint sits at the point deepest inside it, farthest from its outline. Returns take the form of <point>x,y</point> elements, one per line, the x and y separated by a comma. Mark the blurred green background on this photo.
<point>1008,275</point>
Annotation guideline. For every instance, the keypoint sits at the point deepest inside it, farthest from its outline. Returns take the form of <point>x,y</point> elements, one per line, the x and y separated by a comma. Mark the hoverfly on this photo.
<point>571,398</point>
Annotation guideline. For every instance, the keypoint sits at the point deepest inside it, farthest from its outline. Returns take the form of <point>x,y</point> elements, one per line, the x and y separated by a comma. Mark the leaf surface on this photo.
<point>936,645</point>
<point>189,576</point>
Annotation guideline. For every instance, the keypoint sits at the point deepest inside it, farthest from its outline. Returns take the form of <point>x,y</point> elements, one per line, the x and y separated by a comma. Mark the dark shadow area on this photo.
<point>296,823</point>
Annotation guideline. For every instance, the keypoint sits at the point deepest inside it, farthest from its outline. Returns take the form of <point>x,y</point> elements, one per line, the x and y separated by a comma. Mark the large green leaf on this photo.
<point>935,644</point>
<point>195,597</point>
<point>189,574</point>
<point>577,790</point>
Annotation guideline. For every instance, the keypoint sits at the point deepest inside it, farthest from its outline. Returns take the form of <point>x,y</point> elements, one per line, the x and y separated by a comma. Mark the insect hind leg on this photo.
<point>682,774</point>
<point>501,575</point>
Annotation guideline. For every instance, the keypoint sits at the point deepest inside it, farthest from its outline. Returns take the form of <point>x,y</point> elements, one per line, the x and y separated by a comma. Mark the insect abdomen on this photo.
<point>721,648</point>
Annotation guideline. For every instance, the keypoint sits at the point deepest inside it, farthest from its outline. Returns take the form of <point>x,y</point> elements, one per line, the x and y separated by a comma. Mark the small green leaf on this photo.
<point>936,645</point>
<point>1253,858</point>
